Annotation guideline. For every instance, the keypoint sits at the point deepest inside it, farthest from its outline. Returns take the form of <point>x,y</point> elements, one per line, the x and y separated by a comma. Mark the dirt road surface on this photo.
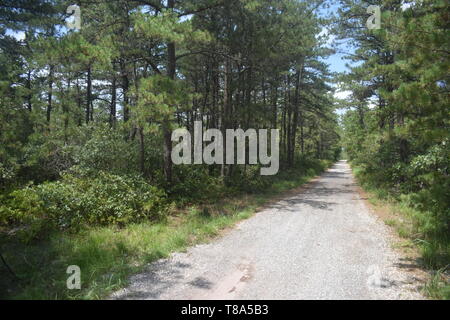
<point>321,243</point>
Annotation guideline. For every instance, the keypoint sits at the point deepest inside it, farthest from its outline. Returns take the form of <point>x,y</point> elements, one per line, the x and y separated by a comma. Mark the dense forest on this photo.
<point>87,113</point>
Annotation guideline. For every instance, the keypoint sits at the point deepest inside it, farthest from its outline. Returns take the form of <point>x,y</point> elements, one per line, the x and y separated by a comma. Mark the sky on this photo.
<point>336,62</point>
<point>18,35</point>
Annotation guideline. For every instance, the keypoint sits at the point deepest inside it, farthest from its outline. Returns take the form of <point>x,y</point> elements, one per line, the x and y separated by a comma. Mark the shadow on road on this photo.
<point>159,282</point>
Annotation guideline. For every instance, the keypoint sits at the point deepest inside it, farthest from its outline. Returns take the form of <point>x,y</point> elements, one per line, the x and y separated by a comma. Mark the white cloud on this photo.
<point>406,5</point>
<point>19,35</point>
<point>326,34</point>
<point>342,94</point>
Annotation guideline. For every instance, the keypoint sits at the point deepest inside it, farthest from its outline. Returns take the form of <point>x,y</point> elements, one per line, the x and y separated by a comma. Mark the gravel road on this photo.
<point>322,243</point>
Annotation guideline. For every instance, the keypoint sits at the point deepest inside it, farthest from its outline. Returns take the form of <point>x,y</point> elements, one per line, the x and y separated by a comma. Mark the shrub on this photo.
<point>8,174</point>
<point>23,208</point>
<point>249,179</point>
<point>107,150</point>
<point>195,183</point>
<point>73,202</point>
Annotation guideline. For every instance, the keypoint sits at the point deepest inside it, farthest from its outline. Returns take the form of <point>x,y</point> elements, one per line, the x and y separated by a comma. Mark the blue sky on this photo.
<point>336,61</point>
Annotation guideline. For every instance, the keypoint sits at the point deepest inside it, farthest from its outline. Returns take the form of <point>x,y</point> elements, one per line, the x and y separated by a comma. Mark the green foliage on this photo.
<point>159,97</point>
<point>7,174</point>
<point>198,184</point>
<point>107,150</point>
<point>74,202</point>
<point>168,27</point>
<point>45,159</point>
<point>24,208</point>
<point>248,179</point>
<point>194,183</point>
<point>438,287</point>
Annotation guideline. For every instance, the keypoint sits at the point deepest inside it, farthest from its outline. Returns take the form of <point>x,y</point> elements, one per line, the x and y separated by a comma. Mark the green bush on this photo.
<point>74,202</point>
<point>45,158</point>
<point>7,174</point>
<point>194,183</point>
<point>248,179</point>
<point>23,209</point>
<point>107,150</point>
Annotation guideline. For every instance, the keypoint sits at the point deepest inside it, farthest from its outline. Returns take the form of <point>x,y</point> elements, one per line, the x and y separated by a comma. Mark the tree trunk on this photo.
<point>225,110</point>
<point>171,73</point>
<point>275,106</point>
<point>125,89</point>
<point>141,151</point>
<point>113,110</point>
<point>50,94</point>
<point>79,103</point>
<point>295,119</point>
<point>29,95</point>
<point>66,113</point>
<point>89,95</point>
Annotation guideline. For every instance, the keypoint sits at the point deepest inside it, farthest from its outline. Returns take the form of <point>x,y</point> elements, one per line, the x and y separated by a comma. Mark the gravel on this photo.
<point>322,243</point>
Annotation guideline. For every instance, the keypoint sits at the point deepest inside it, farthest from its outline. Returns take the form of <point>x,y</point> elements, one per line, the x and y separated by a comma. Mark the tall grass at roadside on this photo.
<point>418,226</point>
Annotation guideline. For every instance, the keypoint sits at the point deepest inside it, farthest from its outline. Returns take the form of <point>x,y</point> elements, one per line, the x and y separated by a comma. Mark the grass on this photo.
<point>437,287</point>
<point>411,225</point>
<point>108,256</point>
